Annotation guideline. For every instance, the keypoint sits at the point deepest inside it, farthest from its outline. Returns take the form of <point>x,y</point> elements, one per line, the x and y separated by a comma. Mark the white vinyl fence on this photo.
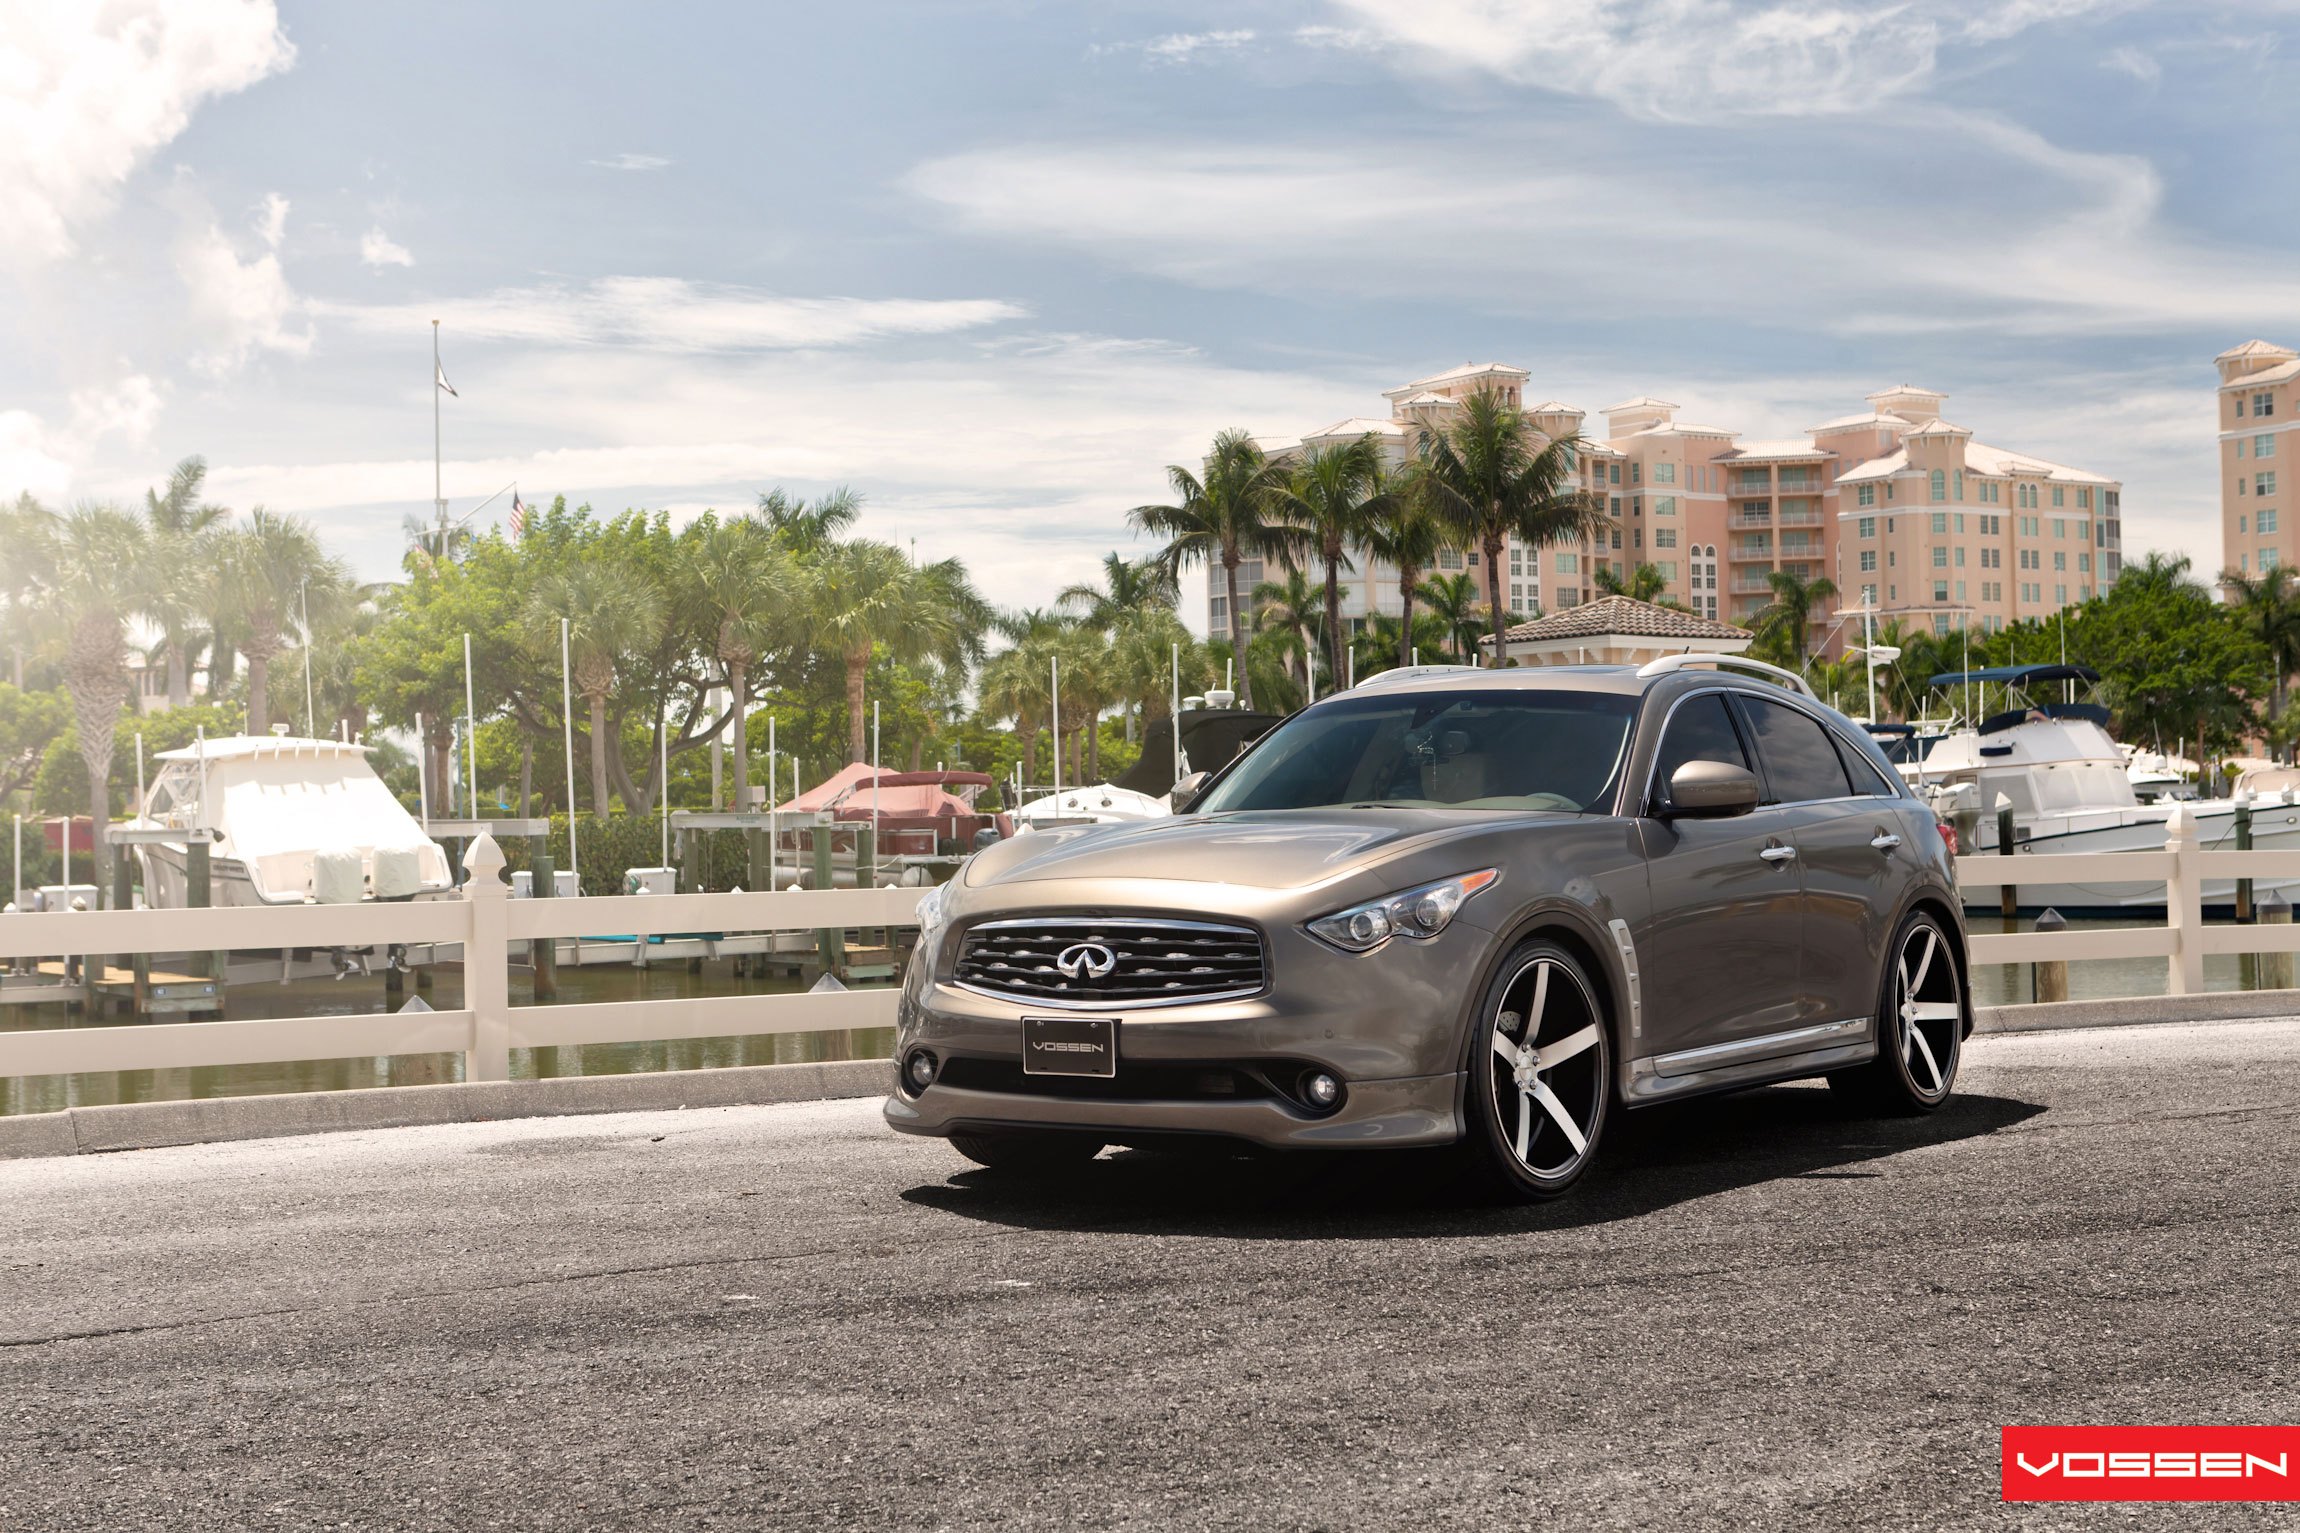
<point>487,922</point>
<point>2183,941</point>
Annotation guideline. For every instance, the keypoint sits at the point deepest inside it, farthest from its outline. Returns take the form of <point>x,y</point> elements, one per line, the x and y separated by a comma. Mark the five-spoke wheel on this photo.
<point>1920,1025</point>
<point>1541,1090</point>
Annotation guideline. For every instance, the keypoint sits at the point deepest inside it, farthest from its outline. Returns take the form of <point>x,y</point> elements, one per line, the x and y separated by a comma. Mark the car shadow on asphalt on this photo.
<point>1651,1159</point>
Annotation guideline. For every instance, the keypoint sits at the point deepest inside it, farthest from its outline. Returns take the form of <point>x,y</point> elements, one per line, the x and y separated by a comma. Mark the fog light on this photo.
<point>1321,1090</point>
<point>919,1070</point>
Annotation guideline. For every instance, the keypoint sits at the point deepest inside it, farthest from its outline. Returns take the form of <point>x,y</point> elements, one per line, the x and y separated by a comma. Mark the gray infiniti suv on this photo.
<point>1489,909</point>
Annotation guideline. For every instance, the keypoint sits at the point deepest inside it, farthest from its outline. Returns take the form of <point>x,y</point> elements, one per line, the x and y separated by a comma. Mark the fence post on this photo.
<point>2184,904</point>
<point>486,963</point>
<point>2008,896</point>
<point>2275,969</point>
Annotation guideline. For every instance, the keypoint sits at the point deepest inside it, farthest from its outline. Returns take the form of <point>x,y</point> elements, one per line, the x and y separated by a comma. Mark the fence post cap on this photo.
<point>2001,803</point>
<point>2181,822</point>
<point>2051,921</point>
<point>483,860</point>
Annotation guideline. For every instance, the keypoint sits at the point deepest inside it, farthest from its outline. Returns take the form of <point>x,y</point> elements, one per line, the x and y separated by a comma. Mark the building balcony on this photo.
<point>1751,518</point>
<point>1796,483</point>
<point>1760,552</point>
<point>1751,585</point>
<point>1789,518</point>
<point>1754,484</point>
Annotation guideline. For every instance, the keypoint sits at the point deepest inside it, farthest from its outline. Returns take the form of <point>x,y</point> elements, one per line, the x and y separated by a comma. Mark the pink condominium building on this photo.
<point>1901,509</point>
<point>2256,408</point>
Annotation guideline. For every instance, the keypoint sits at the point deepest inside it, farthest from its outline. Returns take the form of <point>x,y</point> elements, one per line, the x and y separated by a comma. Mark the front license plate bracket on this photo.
<point>1070,1046</point>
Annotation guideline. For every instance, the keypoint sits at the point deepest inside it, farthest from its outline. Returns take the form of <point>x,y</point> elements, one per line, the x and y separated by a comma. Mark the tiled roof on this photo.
<point>1622,615</point>
<point>1458,374</point>
<point>2254,349</point>
<point>1939,428</point>
<point>1856,422</point>
<point>1769,451</point>
<point>1357,425</point>
<point>2276,374</point>
<point>1908,390</point>
<point>1642,402</point>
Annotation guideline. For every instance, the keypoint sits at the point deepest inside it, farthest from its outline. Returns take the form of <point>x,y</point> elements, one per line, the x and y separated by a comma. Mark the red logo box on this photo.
<point>2151,1463</point>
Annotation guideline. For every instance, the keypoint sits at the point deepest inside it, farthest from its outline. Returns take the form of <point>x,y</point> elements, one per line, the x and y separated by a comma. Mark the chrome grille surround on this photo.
<point>1160,961</point>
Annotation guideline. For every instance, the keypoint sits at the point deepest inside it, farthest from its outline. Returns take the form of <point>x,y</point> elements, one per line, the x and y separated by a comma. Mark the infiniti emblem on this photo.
<point>1085,960</point>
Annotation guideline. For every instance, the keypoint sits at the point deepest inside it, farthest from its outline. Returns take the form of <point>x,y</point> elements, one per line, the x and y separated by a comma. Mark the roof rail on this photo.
<point>1410,673</point>
<point>1668,663</point>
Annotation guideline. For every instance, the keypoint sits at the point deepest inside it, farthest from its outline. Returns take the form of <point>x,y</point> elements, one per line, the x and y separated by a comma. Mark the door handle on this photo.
<point>1884,841</point>
<point>1778,853</point>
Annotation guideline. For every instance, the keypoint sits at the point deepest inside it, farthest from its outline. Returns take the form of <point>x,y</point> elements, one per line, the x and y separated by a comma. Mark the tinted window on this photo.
<point>1867,776</point>
<point>1485,749</point>
<point>1799,761</point>
<point>1700,730</point>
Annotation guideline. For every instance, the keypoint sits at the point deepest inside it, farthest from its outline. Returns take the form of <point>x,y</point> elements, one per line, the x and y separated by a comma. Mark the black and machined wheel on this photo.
<point>1025,1151</point>
<point>1920,1025</point>
<point>1541,1075</point>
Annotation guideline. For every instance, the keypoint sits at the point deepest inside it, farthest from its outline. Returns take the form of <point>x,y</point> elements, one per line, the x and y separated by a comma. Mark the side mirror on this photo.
<point>986,837</point>
<point>1186,791</point>
<point>1710,790</point>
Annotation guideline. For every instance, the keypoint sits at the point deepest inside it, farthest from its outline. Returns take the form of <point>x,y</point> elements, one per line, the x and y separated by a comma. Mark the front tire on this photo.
<point>1026,1151</point>
<point>1920,1026</point>
<point>1540,1075</point>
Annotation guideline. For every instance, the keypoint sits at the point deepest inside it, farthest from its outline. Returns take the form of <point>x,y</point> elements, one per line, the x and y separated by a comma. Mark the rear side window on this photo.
<point>1800,762</point>
<point>1700,730</point>
<point>1867,776</point>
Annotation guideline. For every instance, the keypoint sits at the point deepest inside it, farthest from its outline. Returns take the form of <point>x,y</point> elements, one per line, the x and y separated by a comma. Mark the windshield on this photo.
<point>1486,749</point>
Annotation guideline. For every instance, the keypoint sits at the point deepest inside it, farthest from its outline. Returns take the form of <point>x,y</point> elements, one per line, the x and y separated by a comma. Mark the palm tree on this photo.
<point>1490,482</point>
<point>858,594</point>
<point>1645,583</point>
<point>609,615</point>
<point>1289,609</point>
<point>1223,519</point>
<point>1786,620</point>
<point>1128,587</point>
<point>1016,682</point>
<point>97,564</point>
<point>1330,494</point>
<point>270,574</point>
<point>803,526</point>
<point>2267,606</point>
<point>1453,601</point>
<point>737,580</point>
<point>1407,536</point>
<point>179,521</point>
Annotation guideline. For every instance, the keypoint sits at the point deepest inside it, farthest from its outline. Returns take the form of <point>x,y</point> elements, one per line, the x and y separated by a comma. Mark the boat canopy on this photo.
<point>2019,675</point>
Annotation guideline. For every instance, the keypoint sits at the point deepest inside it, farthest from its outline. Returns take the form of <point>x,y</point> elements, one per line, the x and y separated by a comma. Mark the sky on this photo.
<point>995,264</point>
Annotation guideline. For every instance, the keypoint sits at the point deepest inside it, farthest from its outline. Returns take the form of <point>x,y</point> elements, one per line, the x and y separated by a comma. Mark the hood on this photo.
<point>1290,850</point>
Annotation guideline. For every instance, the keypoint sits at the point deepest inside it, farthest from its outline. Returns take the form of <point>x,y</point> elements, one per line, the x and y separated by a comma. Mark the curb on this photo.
<point>153,1125</point>
<point>2140,1011</point>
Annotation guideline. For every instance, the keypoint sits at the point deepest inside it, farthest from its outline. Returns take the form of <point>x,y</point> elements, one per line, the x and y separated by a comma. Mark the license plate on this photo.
<point>1070,1046</point>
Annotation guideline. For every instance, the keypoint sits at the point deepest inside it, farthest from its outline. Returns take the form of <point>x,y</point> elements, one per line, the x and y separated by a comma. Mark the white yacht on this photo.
<point>2070,788</point>
<point>294,821</point>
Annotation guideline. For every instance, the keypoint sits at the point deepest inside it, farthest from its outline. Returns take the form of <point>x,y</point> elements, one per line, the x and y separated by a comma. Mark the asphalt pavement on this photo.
<point>1757,1313</point>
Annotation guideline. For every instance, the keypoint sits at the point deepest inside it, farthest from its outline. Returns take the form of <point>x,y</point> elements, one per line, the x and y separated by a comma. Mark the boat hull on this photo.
<point>2274,827</point>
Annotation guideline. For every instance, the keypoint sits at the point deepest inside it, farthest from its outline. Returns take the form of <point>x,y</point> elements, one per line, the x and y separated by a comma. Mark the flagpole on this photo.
<point>470,732</point>
<point>567,720</point>
<point>438,495</point>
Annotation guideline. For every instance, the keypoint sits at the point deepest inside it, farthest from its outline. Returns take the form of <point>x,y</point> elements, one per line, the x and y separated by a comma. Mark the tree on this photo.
<point>609,615</point>
<point>1289,609</point>
<point>1224,518</point>
<point>180,523</point>
<point>270,574</point>
<point>1491,481</point>
<point>1786,621</point>
<point>737,580</point>
<point>1453,601</point>
<point>860,593</point>
<point>1407,535</point>
<point>2267,607</point>
<point>1645,583</point>
<point>1330,493</point>
<point>28,721</point>
<point>1128,587</point>
<point>803,526</point>
<point>97,564</point>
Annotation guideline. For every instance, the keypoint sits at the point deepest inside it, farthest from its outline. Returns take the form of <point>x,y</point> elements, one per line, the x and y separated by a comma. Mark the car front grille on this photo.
<point>1149,962</point>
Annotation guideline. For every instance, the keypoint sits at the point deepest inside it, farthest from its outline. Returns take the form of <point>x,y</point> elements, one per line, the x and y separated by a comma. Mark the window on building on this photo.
<point>1516,560</point>
<point>1664,473</point>
<point>1568,564</point>
<point>1616,507</point>
<point>1940,557</point>
<point>1637,473</point>
<point>1867,526</point>
<point>1960,556</point>
<point>1668,569</point>
<point>1472,557</point>
<point>1868,560</point>
<point>1664,537</point>
<point>2060,527</point>
<point>1868,596</point>
<point>1617,537</point>
<point>1867,495</point>
<point>1940,485</point>
<point>2240,521</point>
<point>2057,492</point>
<point>2262,447</point>
<point>1940,521</point>
<point>1613,473</point>
<point>1218,614</point>
<point>2264,484</point>
<point>1449,558</point>
<point>1960,591</point>
<point>1664,505</point>
<point>1940,590</point>
<point>2060,596</point>
<point>2242,484</point>
<point>2264,522</point>
<point>2264,405</point>
<point>1960,484</point>
<point>2059,560</point>
<point>2084,564</point>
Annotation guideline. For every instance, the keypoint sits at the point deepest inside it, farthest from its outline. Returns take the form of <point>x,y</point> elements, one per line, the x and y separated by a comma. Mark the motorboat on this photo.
<point>1196,740</point>
<point>2070,789</point>
<point>293,821</point>
<point>1101,804</point>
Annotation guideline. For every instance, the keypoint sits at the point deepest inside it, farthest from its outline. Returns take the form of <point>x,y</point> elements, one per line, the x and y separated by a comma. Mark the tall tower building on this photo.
<point>2256,410</point>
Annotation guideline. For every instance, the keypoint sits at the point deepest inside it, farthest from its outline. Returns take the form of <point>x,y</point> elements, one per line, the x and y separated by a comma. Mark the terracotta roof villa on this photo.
<point>1617,630</point>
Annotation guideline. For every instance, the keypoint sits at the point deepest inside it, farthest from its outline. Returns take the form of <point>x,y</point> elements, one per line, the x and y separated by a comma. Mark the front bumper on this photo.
<point>1419,1110</point>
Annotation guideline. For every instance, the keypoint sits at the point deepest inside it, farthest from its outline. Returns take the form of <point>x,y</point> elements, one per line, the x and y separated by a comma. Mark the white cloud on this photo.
<point>2131,61</point>
<point>378,249</point>
<point>672,314</point>
<point>628,161</point>
<point>1180,47</point>
<point>46,461</point>
<point>238,307</point>
<point>1701,60</point>
<point>88,91</point>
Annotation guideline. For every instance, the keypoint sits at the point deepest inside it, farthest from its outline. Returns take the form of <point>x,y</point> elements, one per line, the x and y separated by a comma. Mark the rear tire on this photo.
<point>1027,1151</point>
<point>1920,1027</point>
<point>1540,1076</point>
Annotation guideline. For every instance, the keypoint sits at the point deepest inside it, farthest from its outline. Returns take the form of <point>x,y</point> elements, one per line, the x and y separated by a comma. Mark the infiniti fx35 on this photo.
<point>1483,908</point>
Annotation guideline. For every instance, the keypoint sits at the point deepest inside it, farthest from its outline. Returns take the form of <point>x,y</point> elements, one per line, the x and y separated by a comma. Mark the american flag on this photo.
<point>518,516</point>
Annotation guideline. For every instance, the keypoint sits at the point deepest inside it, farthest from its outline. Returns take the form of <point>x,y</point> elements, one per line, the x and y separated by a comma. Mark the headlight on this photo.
<point>1420,913</point>
<point>930,911</point>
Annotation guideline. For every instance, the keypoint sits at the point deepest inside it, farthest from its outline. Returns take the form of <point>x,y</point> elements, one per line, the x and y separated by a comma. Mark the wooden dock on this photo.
<point>154,993</point>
